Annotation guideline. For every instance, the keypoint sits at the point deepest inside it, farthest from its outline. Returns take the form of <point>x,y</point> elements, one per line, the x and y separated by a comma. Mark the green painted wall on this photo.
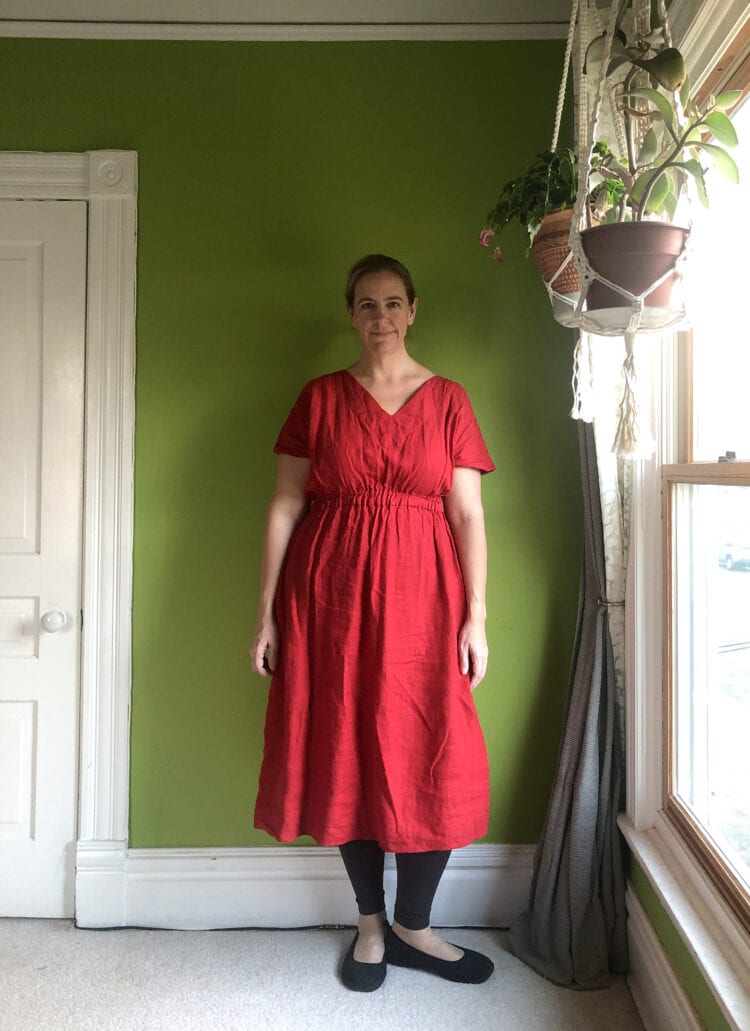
<point>265,170</point>
<point>682,962</point>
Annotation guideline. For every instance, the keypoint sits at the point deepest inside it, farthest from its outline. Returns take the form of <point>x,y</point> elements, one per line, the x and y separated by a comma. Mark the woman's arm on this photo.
<point>463,507</point>
<point>284,513</point>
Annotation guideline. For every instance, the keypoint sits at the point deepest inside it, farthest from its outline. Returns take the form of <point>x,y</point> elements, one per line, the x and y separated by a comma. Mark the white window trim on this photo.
<point>711,932</point>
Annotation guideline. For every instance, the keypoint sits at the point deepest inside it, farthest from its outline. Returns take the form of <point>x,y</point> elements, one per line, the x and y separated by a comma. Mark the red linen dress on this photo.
<point>371,729</point>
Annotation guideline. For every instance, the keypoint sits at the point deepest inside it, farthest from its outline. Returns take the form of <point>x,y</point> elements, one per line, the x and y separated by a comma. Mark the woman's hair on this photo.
<point>377,263</point>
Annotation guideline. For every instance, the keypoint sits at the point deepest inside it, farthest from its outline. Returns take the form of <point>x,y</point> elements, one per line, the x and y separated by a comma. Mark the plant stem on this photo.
<point>628,119</point>
<point>671,162</point>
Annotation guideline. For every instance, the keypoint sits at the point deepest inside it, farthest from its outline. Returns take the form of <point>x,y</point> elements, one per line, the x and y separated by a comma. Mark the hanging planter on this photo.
<point>550,251</point>
<point>541,199</point>
<point>634,177</point>
<point>635,256</point>
<point>630,266</point>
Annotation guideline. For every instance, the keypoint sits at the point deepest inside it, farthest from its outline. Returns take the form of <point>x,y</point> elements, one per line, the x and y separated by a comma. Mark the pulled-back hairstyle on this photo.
<point>377,263</point>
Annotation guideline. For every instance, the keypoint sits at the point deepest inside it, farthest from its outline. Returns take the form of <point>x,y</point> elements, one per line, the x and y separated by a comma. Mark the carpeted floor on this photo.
<point>55,977</point>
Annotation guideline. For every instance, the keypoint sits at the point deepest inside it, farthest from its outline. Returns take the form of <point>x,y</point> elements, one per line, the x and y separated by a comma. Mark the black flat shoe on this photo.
<point>362,977</point>
<point>472,968</point>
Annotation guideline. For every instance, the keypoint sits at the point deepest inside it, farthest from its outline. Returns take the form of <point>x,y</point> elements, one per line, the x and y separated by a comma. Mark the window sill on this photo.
<point>712,934</point>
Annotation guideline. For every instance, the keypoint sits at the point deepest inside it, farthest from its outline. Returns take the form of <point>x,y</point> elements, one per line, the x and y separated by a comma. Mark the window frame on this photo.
<point>724,879</point>
<point>710,930</point>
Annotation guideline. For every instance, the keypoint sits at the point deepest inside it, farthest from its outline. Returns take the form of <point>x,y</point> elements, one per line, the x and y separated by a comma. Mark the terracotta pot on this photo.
<point>633,255</point>
<point>550,248</point>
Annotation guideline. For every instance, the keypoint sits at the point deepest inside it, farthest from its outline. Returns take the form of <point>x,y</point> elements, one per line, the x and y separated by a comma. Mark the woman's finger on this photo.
<point>259,659</point>
<point>478,668</point>
<point>271,659</point>
<point>463,656</point>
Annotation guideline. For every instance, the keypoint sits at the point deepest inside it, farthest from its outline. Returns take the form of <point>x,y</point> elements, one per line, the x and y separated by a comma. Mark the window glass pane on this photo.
<point>711,649</point>
<point>717,290</point>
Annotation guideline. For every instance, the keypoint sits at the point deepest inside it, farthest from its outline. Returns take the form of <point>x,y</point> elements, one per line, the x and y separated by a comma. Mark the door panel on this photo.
<point>20,414</point>
<point>42,332</point>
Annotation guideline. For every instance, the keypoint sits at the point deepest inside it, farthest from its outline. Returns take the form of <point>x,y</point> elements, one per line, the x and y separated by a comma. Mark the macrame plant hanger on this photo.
<point>634,317</point>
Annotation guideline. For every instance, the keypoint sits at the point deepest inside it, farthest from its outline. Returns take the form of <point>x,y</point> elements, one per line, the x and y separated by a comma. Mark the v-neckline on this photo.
<point>377,404</point>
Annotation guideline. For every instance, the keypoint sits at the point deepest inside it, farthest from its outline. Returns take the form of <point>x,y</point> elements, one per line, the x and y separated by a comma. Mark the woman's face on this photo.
<point>381,313</point>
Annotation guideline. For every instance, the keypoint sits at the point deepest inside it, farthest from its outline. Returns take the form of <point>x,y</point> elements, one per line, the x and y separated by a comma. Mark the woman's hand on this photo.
<point>473,650</point>
<point>463,507</point>
<point>264,651</point>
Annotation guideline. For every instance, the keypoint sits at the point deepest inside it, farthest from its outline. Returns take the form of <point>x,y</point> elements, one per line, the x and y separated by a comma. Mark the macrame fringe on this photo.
<point>632,440</point>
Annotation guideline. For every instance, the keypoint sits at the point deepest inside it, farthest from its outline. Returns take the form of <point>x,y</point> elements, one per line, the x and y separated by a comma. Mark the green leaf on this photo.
<point>695,169</point>
<point>685,92</point>
<point>728,99</point>
<point>658,194</point>
<point>679,181</point>
<point>723,163</point>
<point>722,128</point>
<point>639,186</point>
<point>636,193</point>
<point>670,201</point>
<point>650,148</point>
<point>660,102</point>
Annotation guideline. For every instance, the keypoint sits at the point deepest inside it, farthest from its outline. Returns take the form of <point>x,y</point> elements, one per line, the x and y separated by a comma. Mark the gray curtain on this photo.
<point>574,929</point>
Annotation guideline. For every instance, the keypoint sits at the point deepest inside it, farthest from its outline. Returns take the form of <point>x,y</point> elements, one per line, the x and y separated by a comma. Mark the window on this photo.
<point>707,549</point>
<point>721,322</point>
<point>707,525</point>
<point>681,872</point>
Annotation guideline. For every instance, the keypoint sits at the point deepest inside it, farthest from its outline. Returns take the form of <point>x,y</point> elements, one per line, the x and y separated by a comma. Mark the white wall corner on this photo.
<point>278,886</point>
<point>663,1004</point>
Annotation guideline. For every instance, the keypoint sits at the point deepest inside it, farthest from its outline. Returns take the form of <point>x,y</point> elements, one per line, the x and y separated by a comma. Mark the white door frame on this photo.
<point>107,180</point>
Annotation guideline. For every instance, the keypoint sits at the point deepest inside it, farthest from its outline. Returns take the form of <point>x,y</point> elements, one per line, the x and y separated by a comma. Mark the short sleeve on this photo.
<point>294,437</point>
<point>469,448</point>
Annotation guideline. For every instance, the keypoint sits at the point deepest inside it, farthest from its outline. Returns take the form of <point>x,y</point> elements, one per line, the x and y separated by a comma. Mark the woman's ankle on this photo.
<point>427,940</point>
<point>371,922</point>
<point>408,932</point>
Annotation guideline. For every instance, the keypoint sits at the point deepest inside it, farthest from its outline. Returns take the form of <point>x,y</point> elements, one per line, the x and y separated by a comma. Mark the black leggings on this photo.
<point>419,874</point>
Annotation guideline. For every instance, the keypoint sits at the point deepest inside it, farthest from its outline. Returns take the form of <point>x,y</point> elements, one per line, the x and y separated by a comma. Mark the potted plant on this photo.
<point>668,136</point>
<point>547,188</point>
<point>542,200</point>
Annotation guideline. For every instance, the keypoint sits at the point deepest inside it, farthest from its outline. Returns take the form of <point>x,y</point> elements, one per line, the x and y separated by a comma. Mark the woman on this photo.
<point>372,623</point>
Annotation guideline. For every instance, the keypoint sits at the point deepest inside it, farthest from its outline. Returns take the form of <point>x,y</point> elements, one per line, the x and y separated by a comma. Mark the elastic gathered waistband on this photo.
<point>380,497</point>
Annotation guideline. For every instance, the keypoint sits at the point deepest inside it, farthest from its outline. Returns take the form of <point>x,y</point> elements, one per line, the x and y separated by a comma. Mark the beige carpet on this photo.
<point>55,976</point>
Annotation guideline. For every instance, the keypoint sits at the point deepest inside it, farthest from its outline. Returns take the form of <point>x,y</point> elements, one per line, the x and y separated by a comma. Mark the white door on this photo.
<point>42,327</point>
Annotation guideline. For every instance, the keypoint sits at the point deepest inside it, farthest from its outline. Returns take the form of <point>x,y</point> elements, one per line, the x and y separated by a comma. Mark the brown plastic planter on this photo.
<point>633,255</point>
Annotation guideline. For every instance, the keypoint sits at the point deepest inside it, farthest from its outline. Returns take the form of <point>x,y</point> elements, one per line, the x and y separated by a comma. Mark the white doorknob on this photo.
<point>53,621</point>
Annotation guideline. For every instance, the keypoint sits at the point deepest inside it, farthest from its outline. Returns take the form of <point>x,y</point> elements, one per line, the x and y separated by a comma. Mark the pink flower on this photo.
<point>497,256</point>
<point>484,236</point>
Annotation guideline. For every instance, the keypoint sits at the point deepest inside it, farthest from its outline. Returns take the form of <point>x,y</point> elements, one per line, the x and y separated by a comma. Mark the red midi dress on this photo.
<point>371,729</point>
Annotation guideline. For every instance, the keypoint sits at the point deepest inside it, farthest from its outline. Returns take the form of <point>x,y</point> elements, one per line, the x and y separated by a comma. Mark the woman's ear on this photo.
<point>413,310</point>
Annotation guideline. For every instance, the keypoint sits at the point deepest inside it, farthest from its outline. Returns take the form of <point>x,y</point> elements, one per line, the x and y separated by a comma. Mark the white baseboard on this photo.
<point>662,1002</point>
<point>278,886</point>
